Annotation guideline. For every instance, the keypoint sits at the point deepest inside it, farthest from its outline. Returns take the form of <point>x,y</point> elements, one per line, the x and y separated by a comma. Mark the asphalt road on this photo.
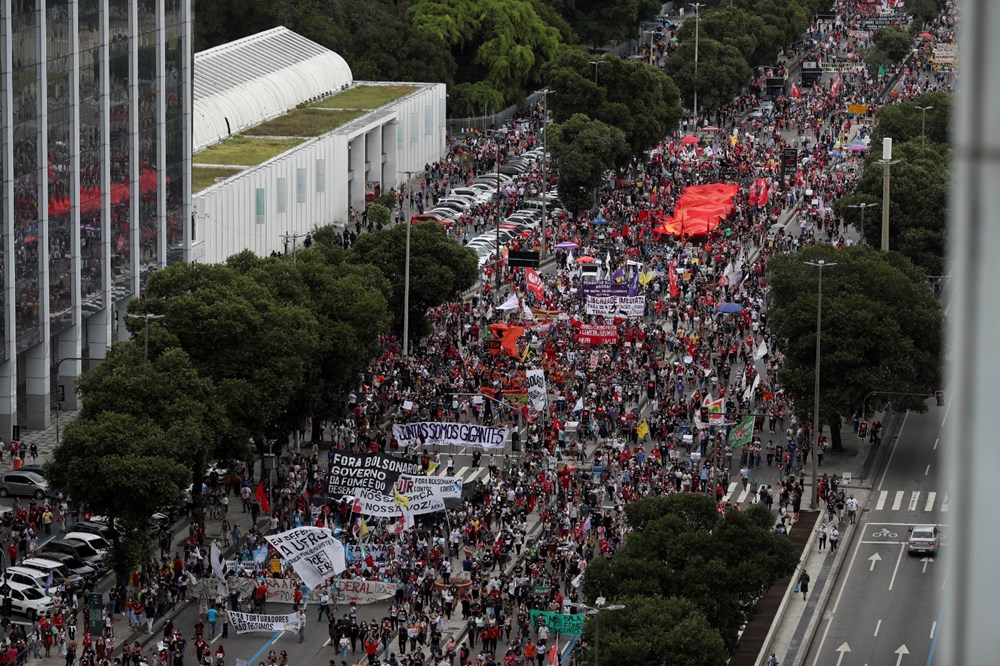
<point>887,606</point>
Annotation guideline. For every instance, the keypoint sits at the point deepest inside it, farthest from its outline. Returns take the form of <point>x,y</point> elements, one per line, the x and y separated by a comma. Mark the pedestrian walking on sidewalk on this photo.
<point>822,537</point>
<point>804,583</point>
<point>834,538</point>
<point>852,509</point>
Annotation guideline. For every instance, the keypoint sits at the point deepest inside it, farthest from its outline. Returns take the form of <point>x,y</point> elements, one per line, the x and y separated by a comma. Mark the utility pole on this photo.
<point>923,125</point>
<point>697,30</point>
<point>294,238</point>
<point>407,209</point>
<point>596,64</point>
<point>821,264</point>
<point>862,207</point>
<point>545,170</point>
<point>145,328</point>
<point>886,163</point>
<point>595,610</point>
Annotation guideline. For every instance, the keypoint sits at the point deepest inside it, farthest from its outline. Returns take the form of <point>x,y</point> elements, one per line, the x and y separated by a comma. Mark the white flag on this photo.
<point>761,351</point>
<point>578,407</point>
<point>218,568</point>
<point>312,552</point>
<point>510,304</point>
<point>528,314</point>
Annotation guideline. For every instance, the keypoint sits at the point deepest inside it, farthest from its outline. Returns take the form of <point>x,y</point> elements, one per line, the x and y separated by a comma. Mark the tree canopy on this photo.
<point>680,547</point>
<point>882,329</point>
<point>722,72</point>
<point>584,149</point>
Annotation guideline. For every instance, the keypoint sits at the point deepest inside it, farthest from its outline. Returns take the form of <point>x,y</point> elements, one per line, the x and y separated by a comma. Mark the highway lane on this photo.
<point>886,607</point>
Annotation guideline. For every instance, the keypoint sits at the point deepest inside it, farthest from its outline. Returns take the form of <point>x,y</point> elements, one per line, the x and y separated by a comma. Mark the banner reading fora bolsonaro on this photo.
<point>454,434</point>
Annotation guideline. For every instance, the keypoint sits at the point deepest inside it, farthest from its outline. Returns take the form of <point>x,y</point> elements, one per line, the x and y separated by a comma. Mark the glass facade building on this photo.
<point>95,152</point>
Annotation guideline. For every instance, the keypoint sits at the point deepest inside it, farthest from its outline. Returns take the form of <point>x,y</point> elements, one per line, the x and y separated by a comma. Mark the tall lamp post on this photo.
<point>145,329</point>
<point>595,610</point>
<point>596,64</point>
<point>545,170</point>
<point>923,125</point>
<point>697,30</point>
<point>407,209</point>
<point>821,264</point>
<point>863,207</point>
<point>887,162</point>
<point>496,139</point>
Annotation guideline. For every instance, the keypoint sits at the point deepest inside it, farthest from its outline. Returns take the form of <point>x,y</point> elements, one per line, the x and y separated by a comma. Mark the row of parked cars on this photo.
<point>79,556</point>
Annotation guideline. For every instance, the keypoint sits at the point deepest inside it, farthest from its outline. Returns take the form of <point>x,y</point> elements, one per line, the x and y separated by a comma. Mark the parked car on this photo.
<point>28,484</point>
<point>79,549</point>
<point>58,571</point>
<point>73,563</point>
<point>99,528</point>
<point>29,600</point>
<point>26,576</point>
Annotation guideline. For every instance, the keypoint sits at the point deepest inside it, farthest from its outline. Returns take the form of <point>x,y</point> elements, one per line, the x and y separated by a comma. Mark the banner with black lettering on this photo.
<point>245,623</point>
<point>385,506</point>
<point>454,434</point>
<point>312,552</point>
<point>536,389</point>
<point>620,306</point>
<point>444,487</point>
<point>368,471</point>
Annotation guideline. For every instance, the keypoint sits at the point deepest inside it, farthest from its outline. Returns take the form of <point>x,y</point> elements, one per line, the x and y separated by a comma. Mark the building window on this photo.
<point>300,186</point>
<point>414,120</point>
<point>320,176</point>
<point>260,205</point>
<point>399,136</point>
<point>428,120</point>
<point>281,187</point>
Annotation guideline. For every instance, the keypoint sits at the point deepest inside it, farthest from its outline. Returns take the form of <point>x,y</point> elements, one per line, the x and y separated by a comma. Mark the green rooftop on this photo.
<point>306,122</point>
<point>204,177</point>
<point>365,97</point>
<point>245,151</point>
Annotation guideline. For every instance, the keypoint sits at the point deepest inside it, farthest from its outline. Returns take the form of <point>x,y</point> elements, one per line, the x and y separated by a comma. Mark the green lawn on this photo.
<point>245,151</point>
<point>365,97</point>
<point>204,177</point>
<point>305,122</point>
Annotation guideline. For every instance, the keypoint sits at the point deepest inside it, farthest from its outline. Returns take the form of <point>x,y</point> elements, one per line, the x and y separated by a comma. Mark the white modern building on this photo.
<point>285,141</point>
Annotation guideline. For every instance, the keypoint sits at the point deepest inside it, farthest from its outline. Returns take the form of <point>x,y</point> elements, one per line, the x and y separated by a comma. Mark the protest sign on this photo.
<point>563,624</point>
<point>536,389</point>
<point>370,471</point>
<point>596,334</point>
<point>454,434</point>
<point>622,306</point>
<point>440,486</point>
<point>369,503</point>
<point>244,623</point>
<point>312,552</point>
<point>604,288</point>
<point>363,591</point>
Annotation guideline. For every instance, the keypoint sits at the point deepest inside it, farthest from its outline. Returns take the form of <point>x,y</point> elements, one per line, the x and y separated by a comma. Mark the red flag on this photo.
<point>752,200</point>
<point>672,275</point>
<point>795,91</point>
<point>554,654</point>
<point>261,498</point>
<point>535,285</point>
<point>763,196</point>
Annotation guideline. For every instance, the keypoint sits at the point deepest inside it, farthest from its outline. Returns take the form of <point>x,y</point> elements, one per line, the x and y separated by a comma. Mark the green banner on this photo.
<point>559,623</point>
<point>742,434</point>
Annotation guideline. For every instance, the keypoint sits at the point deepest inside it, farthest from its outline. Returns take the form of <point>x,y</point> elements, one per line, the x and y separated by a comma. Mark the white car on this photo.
<point>29,600</point>
<point>95,541</point>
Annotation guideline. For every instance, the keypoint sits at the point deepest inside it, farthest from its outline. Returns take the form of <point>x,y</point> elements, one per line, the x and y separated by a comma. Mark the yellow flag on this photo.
<point>401,500</point>
<point>642,430</point>
<point>645,277</point>
<point>364,531</point>
<point>431,466</point>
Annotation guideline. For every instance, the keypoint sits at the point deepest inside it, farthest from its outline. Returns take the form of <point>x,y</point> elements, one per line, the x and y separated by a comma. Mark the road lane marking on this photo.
<point>898,502</point>
<point>881,500</point>
<point>944,503</point>
<point>914,500</point>
<point>946,410</point>
<point>877,625</point>
<point>899,559</point>
<point>732,489</point>
<point>326,643</point>
<point>927,471</point>
<point>936,443</point>
<point>743,496</point>
<point>931,496</point>
<point>840,594</point>
<point>476,473</point>
<point>899,436</point>
<point>215,638</point>
<point>933,628</point>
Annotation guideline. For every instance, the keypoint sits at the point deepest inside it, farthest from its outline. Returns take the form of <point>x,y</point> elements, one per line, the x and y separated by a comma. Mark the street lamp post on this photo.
<point>545,170</point>
<point>887,162</point>
<point>596,64</point>
<point>407,209</point>
<point>697,30</point>
<point>862,207</point>
<point>923,125</point>
<point>595,610</point>
<point>821,264</point>
<point>295,242</point>
<point>145,329</point>
<point>496,139</point>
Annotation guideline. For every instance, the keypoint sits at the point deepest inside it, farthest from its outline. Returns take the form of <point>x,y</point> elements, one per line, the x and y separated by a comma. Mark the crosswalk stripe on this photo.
<point>729,493</point>
<point>743,496</point>
<point>475,473</point>
<point>929,505</point>
<point>898,502</point>
<point>881,500</point>
<point>944,504</point>
<point>914,500</point>
<point>461,472</point>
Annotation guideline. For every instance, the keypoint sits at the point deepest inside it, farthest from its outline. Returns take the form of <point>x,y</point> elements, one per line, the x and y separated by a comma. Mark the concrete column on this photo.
<point>390,177</point>
<point>8,368</point>
<point>133,113</point>
<point>189,210</point>
<point>37,358</point>
<point>68,345</point>
<point>373,156</point>
<point>161,138</point>
<point>357,166</point>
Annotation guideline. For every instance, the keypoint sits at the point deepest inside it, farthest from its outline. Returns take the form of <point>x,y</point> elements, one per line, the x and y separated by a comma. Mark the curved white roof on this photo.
<point>257,78</point>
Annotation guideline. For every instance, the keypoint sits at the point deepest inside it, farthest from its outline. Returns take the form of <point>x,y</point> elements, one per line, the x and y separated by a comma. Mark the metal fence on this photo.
<point>462,125</point>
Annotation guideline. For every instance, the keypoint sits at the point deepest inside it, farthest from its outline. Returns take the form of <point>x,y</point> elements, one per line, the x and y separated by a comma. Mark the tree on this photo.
<point>440,269</point>
<point>722,72</point>
<point>130,453</point>
<point>680,547</point>
<point>893,41</point>
<point>739,28</point>
<point>918,205</point>
<point>652,628</point>
<point>882,330</point>
<point>379,215</point>
<point>903,121</point>
<point>584,149</point>
<point>254,348</point>
<point>633,96</point>
<point>470,100</point>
